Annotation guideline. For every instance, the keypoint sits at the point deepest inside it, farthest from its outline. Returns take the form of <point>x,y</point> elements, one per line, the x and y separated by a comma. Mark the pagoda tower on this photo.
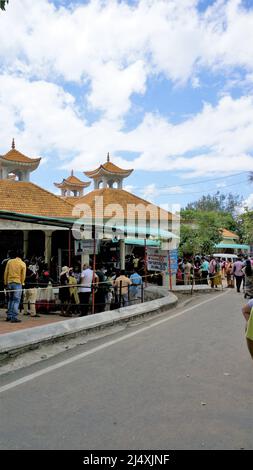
<point>72,186</point>
<point>16,165</point>
<point>108,175</point>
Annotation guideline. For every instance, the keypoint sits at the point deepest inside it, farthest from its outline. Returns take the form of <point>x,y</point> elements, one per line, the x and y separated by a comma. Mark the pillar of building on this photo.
<point>122,253</point>
<point>48,246</point>
<point>85,259</point>
<point>25,242</point>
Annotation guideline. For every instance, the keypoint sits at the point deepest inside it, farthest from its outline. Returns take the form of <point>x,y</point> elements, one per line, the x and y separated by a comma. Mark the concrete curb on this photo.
<point>18,342</point>
<point>202,289</point>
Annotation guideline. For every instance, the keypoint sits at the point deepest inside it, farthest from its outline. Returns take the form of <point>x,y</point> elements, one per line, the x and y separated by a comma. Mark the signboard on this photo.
<point>173,254</point>
<point>157,260</point>
<point>85,247</point>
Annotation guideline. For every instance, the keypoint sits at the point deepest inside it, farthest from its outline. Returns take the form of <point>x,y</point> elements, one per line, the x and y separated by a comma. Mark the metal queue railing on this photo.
<point>119,296</point>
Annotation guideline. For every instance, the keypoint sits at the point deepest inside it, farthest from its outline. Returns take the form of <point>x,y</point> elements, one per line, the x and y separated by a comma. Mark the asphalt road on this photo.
<point>181,381</point>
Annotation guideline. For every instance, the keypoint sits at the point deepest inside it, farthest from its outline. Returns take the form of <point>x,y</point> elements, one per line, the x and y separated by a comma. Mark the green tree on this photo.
<point>199,235</point>
<point>225,203</point>
<point>2,4</point>
<point>206,217</point>
<point>246,227</point>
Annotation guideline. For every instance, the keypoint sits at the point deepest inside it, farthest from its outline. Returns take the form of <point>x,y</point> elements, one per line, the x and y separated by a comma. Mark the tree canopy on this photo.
<point>245,227</point>
<point>200,236</point>
<point>226,203</point>
<point>202,221</point>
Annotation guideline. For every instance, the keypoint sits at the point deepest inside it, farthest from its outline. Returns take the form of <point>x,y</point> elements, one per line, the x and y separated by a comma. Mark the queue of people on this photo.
<point>111,290</point>
<point>212,270</point>
<point>27,286</point>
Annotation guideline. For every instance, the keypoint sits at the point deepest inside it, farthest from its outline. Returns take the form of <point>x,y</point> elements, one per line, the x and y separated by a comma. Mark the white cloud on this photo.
<point>221,185</point>
<point>151,191</point>
<point>42,116</point>
<point>110,49</point>
<point>124,82</point>
<point>248,202</point>
<point>43,111</point>
<point>115,46</point>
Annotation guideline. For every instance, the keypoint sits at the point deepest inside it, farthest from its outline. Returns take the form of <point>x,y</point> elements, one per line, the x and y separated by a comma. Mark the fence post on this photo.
<point>93,275</point>
<point>120,293</point>
<point>170,274</point>
<point>142,292</point>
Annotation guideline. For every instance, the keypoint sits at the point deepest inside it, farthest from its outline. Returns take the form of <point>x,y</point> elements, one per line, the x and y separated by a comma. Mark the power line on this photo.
<point>199,192</point>
<point>196,182</point>
<point>206,181</point>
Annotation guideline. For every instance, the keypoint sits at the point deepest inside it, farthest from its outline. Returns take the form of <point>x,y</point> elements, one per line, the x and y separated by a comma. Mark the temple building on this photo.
<point>72,186</point>
<point>110,200</point>
<point>108,175</point>
<point>15,165</point>
<point>41,222</point>
<point>27,211</point>
<point>121,215</point>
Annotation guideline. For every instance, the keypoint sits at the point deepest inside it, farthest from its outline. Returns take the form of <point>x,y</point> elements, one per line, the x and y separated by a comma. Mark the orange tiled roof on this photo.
<point>72,181</point>
<point>227,234</point>
<point>28,198</point>
<point>15,156</point>
<point>117,196</point>
<point>108,167</point>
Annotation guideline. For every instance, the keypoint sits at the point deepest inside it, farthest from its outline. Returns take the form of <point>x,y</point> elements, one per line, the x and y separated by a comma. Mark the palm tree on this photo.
<point>2,4</point>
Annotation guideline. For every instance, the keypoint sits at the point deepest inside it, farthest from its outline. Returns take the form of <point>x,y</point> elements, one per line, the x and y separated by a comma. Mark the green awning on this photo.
<point>233,246</point>
<point>142,231</point>
<point>139,242</point>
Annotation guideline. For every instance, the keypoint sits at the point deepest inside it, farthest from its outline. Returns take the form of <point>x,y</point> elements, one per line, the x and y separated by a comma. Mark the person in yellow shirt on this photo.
<point>14,279</point>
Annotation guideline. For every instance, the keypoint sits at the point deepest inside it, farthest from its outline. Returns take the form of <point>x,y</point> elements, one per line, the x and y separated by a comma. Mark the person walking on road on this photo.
<point>238,273</point>
<point>229,273</point>
<point>14,279</point>
<point>212,271</point>
<point>248,272</point>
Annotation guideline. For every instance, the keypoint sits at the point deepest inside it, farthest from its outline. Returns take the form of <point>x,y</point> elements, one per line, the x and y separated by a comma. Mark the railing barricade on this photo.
<point>120,293</point>
<point>142,293</point>
<point>118,297</point>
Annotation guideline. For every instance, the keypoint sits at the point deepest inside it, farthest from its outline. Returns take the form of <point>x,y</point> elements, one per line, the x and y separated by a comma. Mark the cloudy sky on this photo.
<point>166,86</point>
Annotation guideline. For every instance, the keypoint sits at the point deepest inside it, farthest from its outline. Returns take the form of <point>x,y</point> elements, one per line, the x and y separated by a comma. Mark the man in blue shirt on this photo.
<point>135,288</point>
<point>204,270</point>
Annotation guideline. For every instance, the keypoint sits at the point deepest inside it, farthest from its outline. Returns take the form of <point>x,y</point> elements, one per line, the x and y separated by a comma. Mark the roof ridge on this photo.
<point>14,153</point>
<point>102,190</point>
<point>46,191</point>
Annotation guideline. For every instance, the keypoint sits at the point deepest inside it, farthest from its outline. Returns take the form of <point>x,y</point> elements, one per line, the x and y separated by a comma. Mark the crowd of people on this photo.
<point>213,270</point>
<point>111,289</point>
<point>27,286</point>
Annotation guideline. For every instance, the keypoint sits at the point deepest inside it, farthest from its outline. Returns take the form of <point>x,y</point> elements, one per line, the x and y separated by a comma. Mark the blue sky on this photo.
<point>164,86</point>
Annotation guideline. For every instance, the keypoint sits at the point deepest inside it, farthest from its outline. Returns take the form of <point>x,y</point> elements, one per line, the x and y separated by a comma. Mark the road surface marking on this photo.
<point>29,377</point>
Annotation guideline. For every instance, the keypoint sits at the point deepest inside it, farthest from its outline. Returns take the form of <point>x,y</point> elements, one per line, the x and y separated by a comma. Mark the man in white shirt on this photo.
<point>86,280</point>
